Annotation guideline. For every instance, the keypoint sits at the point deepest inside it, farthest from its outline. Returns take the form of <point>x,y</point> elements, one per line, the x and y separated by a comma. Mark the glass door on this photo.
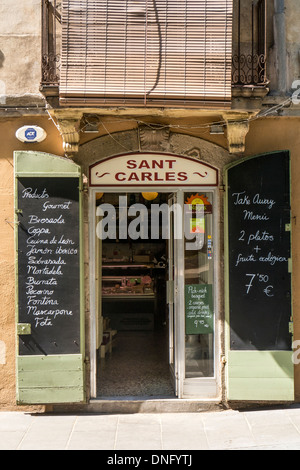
<point>199,282</point>
<point>175,291</point>
<point>98,290</point>
<point>171,295</point>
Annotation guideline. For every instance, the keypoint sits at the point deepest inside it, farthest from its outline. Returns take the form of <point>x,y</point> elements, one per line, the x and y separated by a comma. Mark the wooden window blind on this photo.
<point>146,52</point>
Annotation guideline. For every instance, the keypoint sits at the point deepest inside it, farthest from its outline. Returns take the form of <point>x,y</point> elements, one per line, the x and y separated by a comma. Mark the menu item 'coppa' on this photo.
<point>48,265</point>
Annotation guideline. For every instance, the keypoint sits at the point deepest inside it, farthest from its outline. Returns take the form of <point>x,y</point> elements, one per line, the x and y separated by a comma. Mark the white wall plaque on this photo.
<point>31,134</point>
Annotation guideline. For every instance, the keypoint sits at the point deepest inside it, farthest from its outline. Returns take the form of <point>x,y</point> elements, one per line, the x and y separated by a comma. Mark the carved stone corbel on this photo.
<point>68,124</point>
<point>237,130</point>
<point>69,129</point>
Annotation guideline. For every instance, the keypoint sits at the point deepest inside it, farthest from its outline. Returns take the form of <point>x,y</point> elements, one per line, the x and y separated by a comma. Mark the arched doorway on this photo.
<point>153,252</point>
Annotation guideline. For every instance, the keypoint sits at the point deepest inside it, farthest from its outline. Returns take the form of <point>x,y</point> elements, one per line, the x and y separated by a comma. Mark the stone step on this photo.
<point>141,405</point>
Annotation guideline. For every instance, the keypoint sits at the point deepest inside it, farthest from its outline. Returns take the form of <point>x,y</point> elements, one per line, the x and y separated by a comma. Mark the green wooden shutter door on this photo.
<point>259,364</point>
<point>49,279</point>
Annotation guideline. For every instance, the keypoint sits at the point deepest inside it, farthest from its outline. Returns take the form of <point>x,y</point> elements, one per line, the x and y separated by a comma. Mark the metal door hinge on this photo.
<point>170,292</point>
<point>23,329</point>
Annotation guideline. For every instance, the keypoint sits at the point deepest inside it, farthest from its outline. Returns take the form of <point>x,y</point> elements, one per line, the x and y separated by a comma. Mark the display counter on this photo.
<point>129,300</point>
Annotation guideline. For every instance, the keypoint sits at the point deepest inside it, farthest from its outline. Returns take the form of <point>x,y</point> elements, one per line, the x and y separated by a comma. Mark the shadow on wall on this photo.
<point>2,58</point>
<point>2,84</point>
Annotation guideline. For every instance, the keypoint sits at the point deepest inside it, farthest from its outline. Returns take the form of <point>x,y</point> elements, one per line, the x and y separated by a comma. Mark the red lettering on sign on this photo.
<point>144,164</point>
<point>156,177</point>
<point>146,176</point>
<point>182,176</point>
<point>118,177</point>
<point>171,163</point>
<point>131,164</point>
<point>170,176</point>
<point>133,177</point>
<point>156,164</point>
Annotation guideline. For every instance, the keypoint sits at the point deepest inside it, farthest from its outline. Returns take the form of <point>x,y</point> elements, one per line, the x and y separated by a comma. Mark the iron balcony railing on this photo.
<point>249,43</point>
<point>249,59</point>
<point>51,42</point>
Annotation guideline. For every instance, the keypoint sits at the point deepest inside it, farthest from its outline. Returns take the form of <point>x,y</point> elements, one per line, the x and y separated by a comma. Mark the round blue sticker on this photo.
<point>30,133</point>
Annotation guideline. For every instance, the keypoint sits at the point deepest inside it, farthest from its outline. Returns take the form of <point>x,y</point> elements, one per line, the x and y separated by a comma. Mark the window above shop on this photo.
<point>152,52</point>
<point>145,52</point>
<point>249,51</point>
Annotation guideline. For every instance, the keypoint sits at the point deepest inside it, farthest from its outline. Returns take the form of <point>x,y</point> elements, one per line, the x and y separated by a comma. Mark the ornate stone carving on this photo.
<point>237,129</point>
<point>69,129</point>
<point>68,124</point>
<point>194,153</point>
<point>154,139</point>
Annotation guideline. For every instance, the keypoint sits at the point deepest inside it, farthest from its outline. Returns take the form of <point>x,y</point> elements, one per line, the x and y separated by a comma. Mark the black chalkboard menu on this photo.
<point>48,265</point>
<point>199,312</point>
<point>258,198</point>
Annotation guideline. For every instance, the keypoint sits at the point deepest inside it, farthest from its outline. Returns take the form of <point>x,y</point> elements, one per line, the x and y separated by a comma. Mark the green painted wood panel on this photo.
<point>260,375</point>
<point>254,375</point>
<point>39,396</point>
<point>50,378</point>
<point>43,164</point>
<point>262,390</point>
<point>268,364</point>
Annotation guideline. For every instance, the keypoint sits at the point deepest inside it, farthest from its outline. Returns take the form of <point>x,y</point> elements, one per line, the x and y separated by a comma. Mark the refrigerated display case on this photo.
<point>129,297</point>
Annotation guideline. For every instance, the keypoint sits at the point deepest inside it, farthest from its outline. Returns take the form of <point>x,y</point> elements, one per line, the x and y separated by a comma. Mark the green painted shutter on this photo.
<point>259,364</point>
<point>49,279</point>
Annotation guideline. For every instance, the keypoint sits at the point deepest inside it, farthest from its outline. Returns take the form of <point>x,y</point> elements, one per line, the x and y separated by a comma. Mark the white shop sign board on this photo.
<point>152,169</point>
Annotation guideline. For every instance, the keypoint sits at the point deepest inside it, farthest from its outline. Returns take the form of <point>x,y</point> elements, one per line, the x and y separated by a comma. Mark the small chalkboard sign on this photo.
<point>199,316</point>
<point>48,264</point>
<point>259,250</point>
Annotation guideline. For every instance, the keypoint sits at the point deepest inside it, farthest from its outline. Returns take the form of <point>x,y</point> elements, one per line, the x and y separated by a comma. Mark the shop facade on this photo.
<point>149,253</point>
<point>191,293</point>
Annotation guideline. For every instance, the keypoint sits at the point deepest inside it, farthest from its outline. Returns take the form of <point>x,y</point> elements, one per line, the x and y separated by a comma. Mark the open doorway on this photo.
<point>133,350</point>
<point>153,294</point>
